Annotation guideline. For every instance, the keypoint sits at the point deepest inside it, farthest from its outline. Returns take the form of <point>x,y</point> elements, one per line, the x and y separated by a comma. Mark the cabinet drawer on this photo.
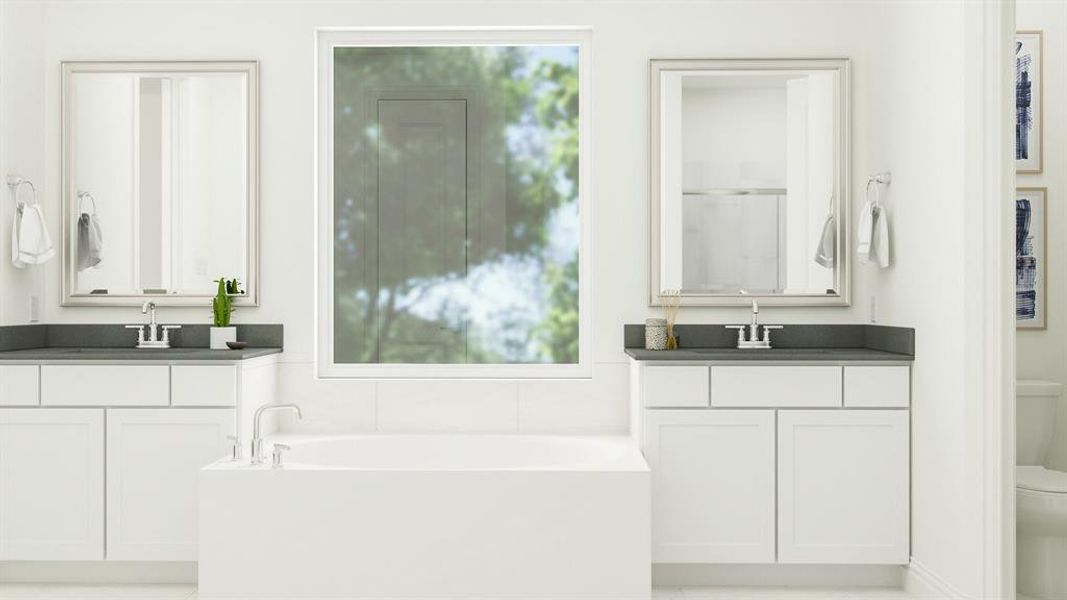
<point>18,385</point>
<point>775,386</point>
<point>203,385</point>
<point>681,386</point>
<point>105,385</point>
<point>879,387</point>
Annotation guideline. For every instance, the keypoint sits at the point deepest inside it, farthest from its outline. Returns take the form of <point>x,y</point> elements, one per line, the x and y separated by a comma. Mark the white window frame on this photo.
<point>329,38</point>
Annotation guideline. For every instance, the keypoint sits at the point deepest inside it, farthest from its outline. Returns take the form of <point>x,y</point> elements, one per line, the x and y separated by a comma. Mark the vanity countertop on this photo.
<point>831,343</point>
<point>769,355</point>
<point>131,354</point>
<point>97,342</point>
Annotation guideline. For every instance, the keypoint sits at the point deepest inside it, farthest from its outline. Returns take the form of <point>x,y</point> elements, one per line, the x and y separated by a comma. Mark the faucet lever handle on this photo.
<point>767,331</point>
<point>140,332</point>
<point>276,457</point>
<point>235,444</point>
<point>740,331</point>
<point>166,331</point>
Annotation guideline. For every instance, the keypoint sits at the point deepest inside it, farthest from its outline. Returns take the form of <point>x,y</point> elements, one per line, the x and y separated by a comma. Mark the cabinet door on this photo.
<point>712,485</point>
<point>843,494</point>
<point>153,461</point>
<point>51,484</point>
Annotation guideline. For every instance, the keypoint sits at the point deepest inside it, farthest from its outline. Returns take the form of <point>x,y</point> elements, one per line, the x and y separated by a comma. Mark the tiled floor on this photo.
<point>21,591</point>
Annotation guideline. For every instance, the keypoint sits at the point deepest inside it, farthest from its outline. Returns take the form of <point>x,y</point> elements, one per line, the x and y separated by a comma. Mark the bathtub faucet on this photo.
<point>257,438</point>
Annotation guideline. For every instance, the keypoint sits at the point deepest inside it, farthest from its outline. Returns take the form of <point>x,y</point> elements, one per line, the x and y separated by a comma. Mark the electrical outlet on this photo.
<point>35,308</point>
<point>874,308</point>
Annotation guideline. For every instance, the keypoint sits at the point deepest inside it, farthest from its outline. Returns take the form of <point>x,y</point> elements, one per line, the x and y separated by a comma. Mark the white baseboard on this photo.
<point>97,572</point>
<point>685,575</point>
<point>921,582</point>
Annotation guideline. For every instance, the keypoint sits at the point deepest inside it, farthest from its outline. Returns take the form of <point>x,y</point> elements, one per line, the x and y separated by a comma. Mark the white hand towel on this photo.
<point>880,237</point>
<point>34,245</point>
<point>824,253</point>
<point>90,241</point>
<point>872,239</point>
<point>865,233</point>
<point>15,226</point>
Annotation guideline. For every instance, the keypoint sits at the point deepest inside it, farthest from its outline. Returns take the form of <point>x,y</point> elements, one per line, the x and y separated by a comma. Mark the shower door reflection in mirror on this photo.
<point>160,174</point>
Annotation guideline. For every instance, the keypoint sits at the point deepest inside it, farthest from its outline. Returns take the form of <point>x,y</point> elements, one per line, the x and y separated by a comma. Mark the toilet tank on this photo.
<point>1035,419</point>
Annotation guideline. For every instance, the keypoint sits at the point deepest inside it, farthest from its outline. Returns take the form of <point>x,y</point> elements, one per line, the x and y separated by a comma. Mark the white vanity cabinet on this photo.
<point>51,484</point>
<point>782,463</point>
<point>101,461</point>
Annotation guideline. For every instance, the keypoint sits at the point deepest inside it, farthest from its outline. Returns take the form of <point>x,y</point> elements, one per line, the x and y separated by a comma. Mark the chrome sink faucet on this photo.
<point>158,336</point>
<point>257,438</point>
<point>754,341</point>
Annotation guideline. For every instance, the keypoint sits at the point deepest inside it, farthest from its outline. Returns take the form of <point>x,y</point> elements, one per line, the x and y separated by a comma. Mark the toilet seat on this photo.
<point>1039,479</point>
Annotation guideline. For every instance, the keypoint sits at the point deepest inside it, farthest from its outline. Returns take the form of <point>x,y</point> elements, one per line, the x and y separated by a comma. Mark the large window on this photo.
<point>452,197</point>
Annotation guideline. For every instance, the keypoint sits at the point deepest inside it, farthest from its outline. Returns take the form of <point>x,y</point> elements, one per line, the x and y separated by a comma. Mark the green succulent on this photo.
<point>222,303</point>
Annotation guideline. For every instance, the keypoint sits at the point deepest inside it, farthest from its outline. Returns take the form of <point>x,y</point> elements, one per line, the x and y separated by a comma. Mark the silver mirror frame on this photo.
<point>70,200</point>
<point>842,183</point>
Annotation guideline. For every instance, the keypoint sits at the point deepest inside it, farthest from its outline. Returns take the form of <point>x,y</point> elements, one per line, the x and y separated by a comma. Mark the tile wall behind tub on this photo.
<point>625,36</point>
<point>598,404</point>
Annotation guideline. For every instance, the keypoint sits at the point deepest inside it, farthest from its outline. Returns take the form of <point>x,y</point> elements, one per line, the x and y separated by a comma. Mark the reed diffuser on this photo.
<point>671,299</point>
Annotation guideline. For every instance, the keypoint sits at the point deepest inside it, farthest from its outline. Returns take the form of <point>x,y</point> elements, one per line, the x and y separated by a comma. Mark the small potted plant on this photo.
<point>222,309</point>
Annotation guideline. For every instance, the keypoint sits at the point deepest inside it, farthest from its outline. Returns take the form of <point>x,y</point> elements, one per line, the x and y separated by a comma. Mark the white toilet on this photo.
<point>1040,495</point>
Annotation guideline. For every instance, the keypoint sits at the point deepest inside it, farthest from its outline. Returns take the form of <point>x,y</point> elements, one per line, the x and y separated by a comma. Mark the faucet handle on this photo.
<point>740,332</point>
<point>235,450</point>
<point>140,332</point>
<point>767,331</point>
<point>166,331</point>
<point>276,457</point>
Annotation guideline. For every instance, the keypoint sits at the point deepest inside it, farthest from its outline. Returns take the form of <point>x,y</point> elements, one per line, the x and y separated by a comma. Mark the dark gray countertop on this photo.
<point>770,355</point>
<point>126,354</point>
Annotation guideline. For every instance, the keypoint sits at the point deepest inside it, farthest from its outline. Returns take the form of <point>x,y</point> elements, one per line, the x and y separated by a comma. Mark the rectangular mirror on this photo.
<point>749,181</point>
<point>160,181</point>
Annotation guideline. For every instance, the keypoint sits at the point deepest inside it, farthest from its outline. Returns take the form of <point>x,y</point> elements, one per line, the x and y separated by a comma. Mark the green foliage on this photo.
<point>222,303</point>
<point>556,333</point>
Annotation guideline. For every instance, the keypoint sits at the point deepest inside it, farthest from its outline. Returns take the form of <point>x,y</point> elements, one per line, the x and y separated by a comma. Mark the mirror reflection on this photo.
<point>160,180</point>
<point>749,179</point>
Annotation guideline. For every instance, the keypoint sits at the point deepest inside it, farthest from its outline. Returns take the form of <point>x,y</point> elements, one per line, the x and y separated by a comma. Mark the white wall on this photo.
<point>906,92</point>
<point>918,122</point>
<point>22,123</point>
<point>1042,354</point>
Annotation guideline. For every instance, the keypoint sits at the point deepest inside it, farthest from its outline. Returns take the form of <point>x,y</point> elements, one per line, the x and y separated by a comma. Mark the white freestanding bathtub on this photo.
<point>429,516</point>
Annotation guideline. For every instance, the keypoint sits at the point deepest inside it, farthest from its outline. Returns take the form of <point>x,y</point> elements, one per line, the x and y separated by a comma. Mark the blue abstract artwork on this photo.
<point>1028,107</point>
<point>1029,257</point>
<point>1023,98</point>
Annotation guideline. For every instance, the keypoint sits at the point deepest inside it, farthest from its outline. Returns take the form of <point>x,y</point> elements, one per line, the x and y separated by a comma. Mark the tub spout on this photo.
<point>257,438</point>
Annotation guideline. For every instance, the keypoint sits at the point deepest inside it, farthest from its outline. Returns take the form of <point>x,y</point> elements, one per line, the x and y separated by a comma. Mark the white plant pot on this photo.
<point>221,335</point>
